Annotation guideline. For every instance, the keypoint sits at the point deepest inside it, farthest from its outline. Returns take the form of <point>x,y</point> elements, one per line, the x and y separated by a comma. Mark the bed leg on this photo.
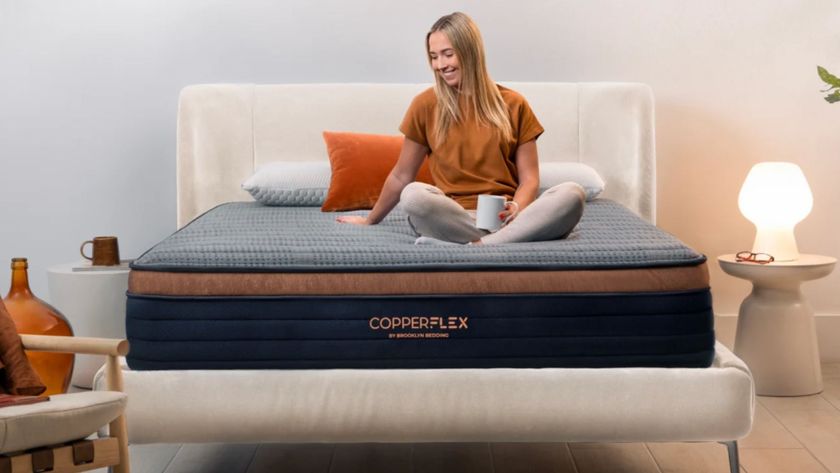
<point>734,463</point>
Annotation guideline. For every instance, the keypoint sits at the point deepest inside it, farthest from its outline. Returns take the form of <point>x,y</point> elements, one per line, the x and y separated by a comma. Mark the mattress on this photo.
<point>246,286</point>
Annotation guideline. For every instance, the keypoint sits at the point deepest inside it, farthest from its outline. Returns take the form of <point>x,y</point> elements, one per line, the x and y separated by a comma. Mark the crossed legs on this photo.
<point>552,216</point>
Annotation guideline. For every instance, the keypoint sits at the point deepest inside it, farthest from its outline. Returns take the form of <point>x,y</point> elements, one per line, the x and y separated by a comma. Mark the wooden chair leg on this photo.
<point>117,428</point>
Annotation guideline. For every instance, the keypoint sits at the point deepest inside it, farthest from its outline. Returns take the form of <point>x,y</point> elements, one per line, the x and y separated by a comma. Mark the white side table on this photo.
<point>776,335</point>
<point>93,301</point>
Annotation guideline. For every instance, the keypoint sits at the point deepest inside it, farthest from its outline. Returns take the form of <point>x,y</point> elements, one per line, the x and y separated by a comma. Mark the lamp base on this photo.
<point>780,243</point>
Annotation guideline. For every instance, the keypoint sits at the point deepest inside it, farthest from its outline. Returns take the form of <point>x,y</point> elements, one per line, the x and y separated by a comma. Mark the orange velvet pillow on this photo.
<point>360,163</point>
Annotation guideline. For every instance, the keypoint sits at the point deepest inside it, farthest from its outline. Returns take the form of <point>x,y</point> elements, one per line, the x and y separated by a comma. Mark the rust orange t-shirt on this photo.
<point>473,159</point>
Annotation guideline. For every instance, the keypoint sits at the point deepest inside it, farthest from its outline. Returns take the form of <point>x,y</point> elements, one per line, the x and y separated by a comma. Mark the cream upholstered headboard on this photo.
<point>225,131</point>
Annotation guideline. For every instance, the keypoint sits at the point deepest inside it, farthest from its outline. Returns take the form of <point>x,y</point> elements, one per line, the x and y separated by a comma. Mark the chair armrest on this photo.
<point>82,345</point>
<point>110,347</point>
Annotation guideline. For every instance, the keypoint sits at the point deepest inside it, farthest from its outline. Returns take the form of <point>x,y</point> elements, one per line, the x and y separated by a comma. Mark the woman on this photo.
<point>481,139</point>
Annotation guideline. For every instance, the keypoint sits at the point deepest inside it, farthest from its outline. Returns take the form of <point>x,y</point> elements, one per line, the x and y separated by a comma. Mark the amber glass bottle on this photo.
<point>34,316</point>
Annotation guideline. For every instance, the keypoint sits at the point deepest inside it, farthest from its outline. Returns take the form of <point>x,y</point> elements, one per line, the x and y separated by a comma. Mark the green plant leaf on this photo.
<point>835,97</point>
<point>827,77</point>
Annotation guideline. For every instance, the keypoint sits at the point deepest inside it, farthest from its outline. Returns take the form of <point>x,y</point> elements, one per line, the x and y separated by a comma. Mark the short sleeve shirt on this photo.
<point>473,159</point>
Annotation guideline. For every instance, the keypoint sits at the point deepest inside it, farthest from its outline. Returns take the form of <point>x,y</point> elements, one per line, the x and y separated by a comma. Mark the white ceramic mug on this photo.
<point>488,210</point>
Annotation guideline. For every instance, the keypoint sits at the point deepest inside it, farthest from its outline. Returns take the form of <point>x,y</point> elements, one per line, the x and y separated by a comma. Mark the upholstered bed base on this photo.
<point>457,405</point>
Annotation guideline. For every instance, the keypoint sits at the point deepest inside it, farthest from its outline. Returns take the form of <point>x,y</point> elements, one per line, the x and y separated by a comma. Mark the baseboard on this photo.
<point>828,334</point>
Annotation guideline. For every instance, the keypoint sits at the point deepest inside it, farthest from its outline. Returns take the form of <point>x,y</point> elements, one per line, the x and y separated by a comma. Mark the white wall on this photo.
<point>88,94</point>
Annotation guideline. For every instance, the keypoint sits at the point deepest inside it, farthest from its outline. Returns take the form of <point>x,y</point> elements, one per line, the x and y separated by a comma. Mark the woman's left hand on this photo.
<point>509,213</point>
<point>354,219</point>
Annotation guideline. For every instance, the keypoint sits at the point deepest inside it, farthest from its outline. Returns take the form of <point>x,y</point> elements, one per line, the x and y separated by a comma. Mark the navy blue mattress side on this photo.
<point>664,329</point>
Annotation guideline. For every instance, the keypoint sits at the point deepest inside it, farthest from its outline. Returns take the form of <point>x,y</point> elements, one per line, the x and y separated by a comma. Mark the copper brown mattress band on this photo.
<point>456,282</point>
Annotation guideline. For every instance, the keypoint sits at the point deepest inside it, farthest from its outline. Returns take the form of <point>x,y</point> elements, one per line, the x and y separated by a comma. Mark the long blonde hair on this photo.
<point>481,93</point>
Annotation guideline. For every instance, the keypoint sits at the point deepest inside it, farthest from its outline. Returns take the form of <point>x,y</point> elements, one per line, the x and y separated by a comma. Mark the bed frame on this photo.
<point>226,131</point>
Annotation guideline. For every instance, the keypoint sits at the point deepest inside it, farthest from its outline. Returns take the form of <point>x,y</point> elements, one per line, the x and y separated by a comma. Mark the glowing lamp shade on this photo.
<point>775,197</point>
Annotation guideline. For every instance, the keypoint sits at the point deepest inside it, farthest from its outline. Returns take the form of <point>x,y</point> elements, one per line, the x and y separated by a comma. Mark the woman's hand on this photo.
<point>509,213</point>
<point>354,219</point>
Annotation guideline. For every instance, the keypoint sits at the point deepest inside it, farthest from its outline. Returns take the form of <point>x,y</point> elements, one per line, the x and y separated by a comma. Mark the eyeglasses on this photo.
<point>750,257</point>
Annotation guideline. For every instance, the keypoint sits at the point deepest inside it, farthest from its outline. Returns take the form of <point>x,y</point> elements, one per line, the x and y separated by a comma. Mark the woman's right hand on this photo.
<point>354,219</point>
<point>404,172</point>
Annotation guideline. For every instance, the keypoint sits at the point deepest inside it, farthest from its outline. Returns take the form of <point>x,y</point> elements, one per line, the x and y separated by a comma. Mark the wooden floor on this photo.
<point>790,435</point>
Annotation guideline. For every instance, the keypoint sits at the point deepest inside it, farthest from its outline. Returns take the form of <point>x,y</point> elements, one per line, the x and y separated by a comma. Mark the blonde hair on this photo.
<point>481,93</point>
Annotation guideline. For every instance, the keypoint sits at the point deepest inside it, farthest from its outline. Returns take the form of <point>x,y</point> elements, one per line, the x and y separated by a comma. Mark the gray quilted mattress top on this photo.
<point>249,237</point>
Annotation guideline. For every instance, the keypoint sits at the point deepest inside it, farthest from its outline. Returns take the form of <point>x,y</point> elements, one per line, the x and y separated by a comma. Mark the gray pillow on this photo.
<point>290,183</point>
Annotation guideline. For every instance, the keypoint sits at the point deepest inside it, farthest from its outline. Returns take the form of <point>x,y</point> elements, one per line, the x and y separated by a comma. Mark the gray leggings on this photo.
<point>550,217</point>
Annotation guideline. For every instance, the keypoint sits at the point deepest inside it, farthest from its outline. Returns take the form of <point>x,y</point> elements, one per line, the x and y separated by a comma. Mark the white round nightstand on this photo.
<point>93,300</point>
<point>776,335</point>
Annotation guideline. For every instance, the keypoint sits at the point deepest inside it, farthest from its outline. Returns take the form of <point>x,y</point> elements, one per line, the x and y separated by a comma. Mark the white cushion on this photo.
<point>554,173</point>
<point>290,183</point>
<point>63,418</point>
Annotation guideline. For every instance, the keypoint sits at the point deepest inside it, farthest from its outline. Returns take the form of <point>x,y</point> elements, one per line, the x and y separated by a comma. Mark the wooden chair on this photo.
<point>50,436</point>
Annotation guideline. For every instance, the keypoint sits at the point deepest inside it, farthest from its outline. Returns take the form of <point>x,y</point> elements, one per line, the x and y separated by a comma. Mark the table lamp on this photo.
<point>775,197</point>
